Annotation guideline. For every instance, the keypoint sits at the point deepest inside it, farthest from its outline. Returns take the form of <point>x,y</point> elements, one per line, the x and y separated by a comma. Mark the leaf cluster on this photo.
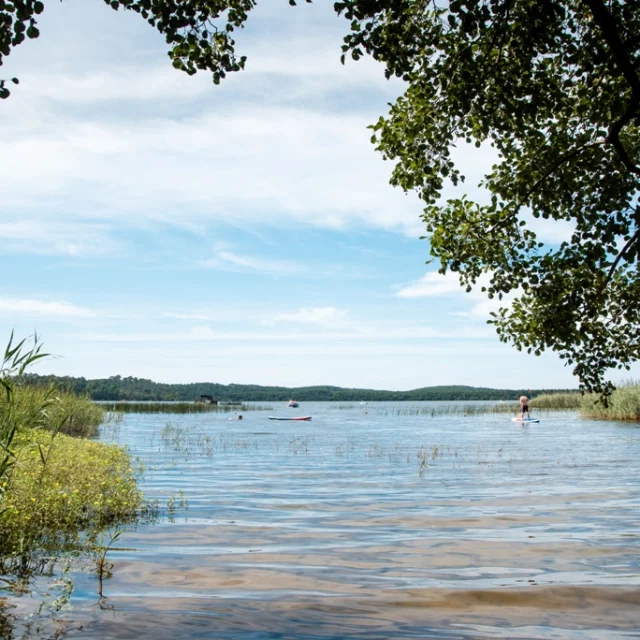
<point>199,33</point>
<point>553,86</point>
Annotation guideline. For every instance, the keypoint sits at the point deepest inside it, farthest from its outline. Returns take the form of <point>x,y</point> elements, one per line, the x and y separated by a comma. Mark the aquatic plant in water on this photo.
<point>179,407</point>
<point>624,404</point>
<point>84,487</point>
<point>47,407</point>
<point>57,492</point>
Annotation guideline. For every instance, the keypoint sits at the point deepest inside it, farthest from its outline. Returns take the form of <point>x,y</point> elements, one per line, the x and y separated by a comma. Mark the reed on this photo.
<point>55,490</point>
<point>450,409</point>
<point>178,407</point>
<point>557,401</point>
<point>33,405</point>
<point>546,402</point>
<point>624,404</point>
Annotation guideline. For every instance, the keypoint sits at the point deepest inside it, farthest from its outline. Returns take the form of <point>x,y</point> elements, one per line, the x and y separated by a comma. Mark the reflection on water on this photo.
<point>368,524</point>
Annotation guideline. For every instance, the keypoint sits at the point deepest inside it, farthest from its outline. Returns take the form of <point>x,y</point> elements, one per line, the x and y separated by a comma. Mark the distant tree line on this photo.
<point>129,388</point>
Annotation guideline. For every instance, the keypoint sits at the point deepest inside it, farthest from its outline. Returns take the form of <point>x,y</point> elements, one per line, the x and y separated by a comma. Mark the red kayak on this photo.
<point>300,418</point>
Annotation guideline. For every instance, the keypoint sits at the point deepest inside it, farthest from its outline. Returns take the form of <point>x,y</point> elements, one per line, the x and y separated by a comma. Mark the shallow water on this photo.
<point>370,522</point>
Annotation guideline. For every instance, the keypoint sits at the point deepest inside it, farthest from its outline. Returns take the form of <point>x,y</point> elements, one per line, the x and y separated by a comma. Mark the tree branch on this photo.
<point>539,181</point>
<point>607,280</point>
<point>609,30</point>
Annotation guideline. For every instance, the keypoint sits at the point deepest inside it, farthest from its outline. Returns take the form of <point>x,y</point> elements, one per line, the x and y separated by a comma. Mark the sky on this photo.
<point>155,225</point>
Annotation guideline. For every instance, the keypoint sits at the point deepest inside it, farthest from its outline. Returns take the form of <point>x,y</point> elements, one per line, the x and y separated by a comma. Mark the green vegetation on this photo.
<point>61,487</point>
<point>547,402</point>
<point>77,415</point>
<point>448,409</point>
<point>553,88</point>
<point>557,401</point>
<point>624,404</point>
<point>117,388</point>
<point>177,407</point>
<point>56,491</point>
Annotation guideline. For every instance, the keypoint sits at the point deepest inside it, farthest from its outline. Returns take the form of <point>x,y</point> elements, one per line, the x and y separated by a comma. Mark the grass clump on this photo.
<point>557,401</point>
<point>61,487</point>
<point>47,408</point>
<point>177,407</point>
<point>55,490</point>
<point>623,404</point>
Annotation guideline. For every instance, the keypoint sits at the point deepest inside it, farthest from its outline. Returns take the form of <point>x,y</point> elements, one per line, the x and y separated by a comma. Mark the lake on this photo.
<point>374,521</point>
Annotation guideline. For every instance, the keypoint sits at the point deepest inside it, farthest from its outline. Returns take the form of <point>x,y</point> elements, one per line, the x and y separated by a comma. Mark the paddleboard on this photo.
<point>279,418</point>
<point>525,421</point>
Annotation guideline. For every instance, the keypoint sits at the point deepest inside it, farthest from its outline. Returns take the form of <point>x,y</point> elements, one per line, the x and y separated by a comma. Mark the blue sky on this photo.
<point>155,225</point>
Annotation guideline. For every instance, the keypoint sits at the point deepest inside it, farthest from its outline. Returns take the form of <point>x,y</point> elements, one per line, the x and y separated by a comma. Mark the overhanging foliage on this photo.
<point>552,85</point>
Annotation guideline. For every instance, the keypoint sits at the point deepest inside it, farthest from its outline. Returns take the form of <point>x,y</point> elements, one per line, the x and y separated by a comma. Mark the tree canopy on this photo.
<point>140,389</point>
<point>552,85</point>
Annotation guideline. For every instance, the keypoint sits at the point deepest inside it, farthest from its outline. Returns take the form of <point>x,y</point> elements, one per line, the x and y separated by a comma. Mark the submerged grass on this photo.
<point>177,407</point>
<point>625,405</point>
<point>450,409</point>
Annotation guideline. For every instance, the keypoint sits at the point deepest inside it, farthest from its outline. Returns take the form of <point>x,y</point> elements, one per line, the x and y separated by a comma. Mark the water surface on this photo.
<point>375,521</point>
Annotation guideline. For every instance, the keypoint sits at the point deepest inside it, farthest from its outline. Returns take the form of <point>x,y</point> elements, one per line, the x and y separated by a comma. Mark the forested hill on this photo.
<point>118,388</point>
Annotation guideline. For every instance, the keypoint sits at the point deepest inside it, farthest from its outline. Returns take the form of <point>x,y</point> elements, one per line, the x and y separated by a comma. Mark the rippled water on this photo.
<point>369,522</point>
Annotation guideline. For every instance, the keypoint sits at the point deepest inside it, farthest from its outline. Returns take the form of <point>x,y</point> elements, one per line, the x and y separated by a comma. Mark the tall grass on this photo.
<point>557,401</point>
<point>17,357</point>
<point>624,404</point>
<point>54,489</point>
<point>546,402</point>
<point>177,407</point>
<point>37,406</point>
<point>449,409</point>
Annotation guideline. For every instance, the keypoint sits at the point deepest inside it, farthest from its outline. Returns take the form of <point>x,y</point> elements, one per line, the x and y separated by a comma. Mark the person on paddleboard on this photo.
<point>524,406</point>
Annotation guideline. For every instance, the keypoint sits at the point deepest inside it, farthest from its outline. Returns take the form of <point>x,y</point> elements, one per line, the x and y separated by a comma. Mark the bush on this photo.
<point>61,487</point>
<point>55,490</point>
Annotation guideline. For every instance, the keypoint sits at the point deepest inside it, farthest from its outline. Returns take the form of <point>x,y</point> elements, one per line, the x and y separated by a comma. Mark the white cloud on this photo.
<point>432,284</point>
<point>551,231</point>
<point>315,69</point>
<point>46,308</point>
<point>125,84</point>
<point>348,332</point>
<point>186,316</point>
<point>268,164</point>
<point>225,259</point>
<point>57,237</point>
<point>318,316</point>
